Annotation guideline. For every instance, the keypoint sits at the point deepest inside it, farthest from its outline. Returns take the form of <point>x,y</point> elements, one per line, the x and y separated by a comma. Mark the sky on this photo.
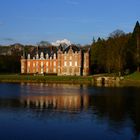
<point>31,21</point>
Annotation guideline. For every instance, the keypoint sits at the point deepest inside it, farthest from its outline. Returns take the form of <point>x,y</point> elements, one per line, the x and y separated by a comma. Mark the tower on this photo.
<point>86,63</point>
<point>59,52</point>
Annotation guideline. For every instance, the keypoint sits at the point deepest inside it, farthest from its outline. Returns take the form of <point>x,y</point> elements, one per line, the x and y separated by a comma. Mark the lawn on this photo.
<point>133,76</point>
<point>40,78</point>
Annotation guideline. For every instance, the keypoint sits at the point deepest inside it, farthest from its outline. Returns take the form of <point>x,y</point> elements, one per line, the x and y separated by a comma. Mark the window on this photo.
<point>47,64</point>
<point>36,66</point>
<point>54,70</point>
<point>54,63</point>
<point>41,64</point>
<point>47,70</point>
<point>28,56</point>
<point>65,63</point>
<point>75,63</point>
<point>54,56</point>
<point>28,64</point>
<point>58,70</point>
<point>47,56</point>
<point>41,55</point>
<point>22,65</point>
<point>37,56</point>
<point>70,63</point>
<point>33,64</point>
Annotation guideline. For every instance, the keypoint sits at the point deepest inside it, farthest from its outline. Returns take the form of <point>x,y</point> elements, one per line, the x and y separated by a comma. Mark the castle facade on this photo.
<point>70,61</point>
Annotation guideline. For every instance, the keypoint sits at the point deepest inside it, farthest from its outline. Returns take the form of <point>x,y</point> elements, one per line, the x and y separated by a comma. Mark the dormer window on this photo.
<point>41,55</point>
<point>47,56</point>
<point>28,56</point>
<point>37,56</point>
<point>54,56</point>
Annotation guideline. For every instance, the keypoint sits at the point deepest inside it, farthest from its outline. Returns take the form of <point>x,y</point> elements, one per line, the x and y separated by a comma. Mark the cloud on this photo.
<point>64,41</point>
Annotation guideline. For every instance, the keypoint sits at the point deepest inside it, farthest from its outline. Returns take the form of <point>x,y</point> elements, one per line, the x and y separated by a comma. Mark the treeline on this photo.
<point>119,54</point>
<point>9,64</point>
<point>10,58</point>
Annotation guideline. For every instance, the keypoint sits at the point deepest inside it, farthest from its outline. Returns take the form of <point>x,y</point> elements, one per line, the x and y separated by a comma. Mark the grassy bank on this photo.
<point>46,79</point>
<point>129,80</point>
<point>134,76</point>
<point>132,79</point>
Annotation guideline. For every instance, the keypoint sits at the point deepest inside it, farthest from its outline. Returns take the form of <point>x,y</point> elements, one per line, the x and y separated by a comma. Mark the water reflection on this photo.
<point>116,109</point>
<point>58,102</point>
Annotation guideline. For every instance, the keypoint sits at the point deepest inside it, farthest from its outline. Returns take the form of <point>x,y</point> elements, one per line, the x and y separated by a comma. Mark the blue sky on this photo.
<point>30,21</point>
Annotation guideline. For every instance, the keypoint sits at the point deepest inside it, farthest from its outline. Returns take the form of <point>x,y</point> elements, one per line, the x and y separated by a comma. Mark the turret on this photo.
<point>86,63</point>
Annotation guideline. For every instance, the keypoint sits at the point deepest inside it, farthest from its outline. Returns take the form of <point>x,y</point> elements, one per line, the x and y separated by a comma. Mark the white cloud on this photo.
<point>64,41</point>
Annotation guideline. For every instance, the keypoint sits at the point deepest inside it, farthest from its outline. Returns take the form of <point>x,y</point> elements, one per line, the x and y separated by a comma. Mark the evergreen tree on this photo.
<point>137,34</point>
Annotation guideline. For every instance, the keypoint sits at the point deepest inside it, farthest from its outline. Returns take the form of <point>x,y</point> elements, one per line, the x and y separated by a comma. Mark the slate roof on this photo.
<point>51,50</point>
<point>73,47</point>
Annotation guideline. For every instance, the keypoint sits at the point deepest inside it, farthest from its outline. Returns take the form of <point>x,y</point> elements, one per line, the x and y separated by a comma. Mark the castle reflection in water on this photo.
<point>65,101</point>
<point>74,102</point>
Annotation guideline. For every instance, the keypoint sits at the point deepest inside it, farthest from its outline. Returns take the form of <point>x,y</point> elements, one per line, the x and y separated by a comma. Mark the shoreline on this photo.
<point>89,80</point>
<point>130,82</point>
<point>46,79</point>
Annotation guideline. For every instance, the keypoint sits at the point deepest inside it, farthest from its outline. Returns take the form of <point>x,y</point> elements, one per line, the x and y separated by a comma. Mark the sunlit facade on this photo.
<point>71,61</point>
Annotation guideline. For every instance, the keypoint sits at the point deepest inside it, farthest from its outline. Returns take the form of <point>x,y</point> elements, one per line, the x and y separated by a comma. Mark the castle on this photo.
<point>69,61</point>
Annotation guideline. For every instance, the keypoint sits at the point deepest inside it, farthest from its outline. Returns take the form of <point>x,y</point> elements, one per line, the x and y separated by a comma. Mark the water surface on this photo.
<point>62,111</point>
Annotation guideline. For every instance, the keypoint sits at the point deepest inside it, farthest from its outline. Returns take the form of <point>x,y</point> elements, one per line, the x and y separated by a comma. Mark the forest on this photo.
<point>119,53</point>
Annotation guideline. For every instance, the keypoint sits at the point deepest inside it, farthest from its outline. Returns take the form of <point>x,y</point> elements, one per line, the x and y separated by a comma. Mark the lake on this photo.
<point>72,112</point>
